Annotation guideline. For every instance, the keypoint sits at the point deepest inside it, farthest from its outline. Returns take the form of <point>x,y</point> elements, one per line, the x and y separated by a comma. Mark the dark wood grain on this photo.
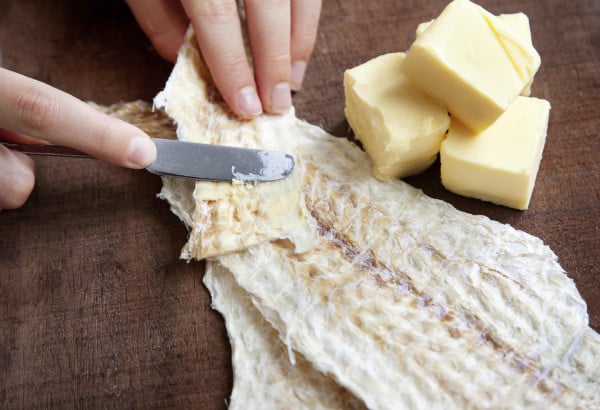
<point>96,309</point>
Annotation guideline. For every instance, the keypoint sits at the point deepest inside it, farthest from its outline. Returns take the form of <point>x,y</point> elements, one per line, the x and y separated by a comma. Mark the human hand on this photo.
<point>282,35</point>
<point>31,111</point>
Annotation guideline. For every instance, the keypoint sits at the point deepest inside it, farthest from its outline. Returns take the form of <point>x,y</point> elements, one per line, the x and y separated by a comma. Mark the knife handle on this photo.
<point>45,149</point>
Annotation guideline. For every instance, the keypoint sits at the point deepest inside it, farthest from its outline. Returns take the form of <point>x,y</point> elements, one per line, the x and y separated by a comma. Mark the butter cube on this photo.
<point>500,164</point>
<point>422,27</point>
<point>517,22</point>
<point>472,62</point>
<point>399,126</point>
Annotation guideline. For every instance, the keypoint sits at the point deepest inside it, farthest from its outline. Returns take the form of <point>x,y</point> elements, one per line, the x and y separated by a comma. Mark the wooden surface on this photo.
<point>96,310</point>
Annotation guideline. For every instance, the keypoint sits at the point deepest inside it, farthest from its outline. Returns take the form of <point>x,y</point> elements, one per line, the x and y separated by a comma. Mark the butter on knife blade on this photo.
<point>195,160</point>
<point>219,162</point>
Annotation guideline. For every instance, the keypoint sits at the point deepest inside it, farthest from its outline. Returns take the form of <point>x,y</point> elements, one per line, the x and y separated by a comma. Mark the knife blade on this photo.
<point>219,162</point>
<point>195,160</point>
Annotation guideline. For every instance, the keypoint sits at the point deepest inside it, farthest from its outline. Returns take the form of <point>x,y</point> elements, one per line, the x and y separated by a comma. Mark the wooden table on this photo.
<point>96,309</point>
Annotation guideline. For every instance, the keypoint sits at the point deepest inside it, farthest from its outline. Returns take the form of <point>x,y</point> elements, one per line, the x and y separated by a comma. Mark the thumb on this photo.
<point>16,178</point>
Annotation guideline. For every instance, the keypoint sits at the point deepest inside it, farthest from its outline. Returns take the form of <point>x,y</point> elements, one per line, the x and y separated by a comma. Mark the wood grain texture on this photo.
<point>96,310</point>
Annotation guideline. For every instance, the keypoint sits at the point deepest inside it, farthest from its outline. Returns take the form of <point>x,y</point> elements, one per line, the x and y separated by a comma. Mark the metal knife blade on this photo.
<point>219,162</point>
<point>195,160</point>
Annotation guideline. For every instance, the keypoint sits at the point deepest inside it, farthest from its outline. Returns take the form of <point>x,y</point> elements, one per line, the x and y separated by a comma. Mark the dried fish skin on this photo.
<point>266,374</point>
<point>400,298</point>
<point>473,357</point>
<point>409,302</point>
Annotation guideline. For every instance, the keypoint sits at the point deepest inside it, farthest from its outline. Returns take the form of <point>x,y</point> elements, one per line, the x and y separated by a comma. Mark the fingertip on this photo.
<point>141,152</point>
<point>27,178</point>
<point>248,103</point>
<point>25,161</point>
<point>164,22</point>
<point>297,75</point>
<point>167,52</point>
<point>281,98</point>
<point>305,23</point>
<point>17,179</point>
<point>269,35</point>
<point>167,44</point>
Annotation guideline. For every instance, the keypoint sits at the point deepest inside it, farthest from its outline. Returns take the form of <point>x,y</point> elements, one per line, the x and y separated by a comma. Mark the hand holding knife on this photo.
<point>32,112</point>
<point>194,160</point>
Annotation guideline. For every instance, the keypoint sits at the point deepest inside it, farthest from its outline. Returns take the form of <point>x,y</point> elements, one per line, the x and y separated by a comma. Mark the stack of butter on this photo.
<point>478,68</point>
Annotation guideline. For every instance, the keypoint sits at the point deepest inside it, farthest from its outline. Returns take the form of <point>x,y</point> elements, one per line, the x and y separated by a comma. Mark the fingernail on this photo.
<point>281,98</point>
<point>248,102</point>
<point>142,152</point>
<point>297,75</point>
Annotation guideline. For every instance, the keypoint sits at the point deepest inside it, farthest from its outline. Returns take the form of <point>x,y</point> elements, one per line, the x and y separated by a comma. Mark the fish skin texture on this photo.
<point>260,358</point>
<point>401,299</point>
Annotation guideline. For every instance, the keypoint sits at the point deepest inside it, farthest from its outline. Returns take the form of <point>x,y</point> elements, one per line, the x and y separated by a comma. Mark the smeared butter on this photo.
<point>473,62</point>
<point>399,126</point>
<point>500,164</point>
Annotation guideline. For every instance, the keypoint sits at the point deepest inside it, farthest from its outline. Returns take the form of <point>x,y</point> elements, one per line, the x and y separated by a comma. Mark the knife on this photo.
<point>194,160</point>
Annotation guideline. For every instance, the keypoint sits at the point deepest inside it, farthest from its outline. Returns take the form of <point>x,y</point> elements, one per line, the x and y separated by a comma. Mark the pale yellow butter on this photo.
<point>399,126</point>
<point>472,62</point>
<point>499,165</point>
<point>518,22</point>
<point>422,27</point>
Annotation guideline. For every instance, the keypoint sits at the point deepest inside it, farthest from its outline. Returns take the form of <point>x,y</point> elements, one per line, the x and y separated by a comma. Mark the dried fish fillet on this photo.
<point>264,376</point>
<point>448,352</point>
<point>400,298</point>
<point>409,302</point>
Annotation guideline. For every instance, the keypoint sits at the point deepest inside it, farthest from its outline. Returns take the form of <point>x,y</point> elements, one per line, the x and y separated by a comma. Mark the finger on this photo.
<point>35,109</point>
<point>217,27</point>
<point>17,137</point>
<point>16,178</point>
<point>164,22</point>
<point>305,23</point>
<point>269,34</point>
